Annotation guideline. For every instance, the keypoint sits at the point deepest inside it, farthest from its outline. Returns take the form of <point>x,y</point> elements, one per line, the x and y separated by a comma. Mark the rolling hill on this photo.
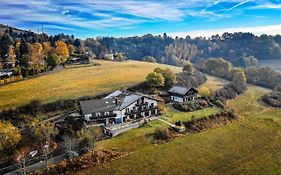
<point>77,81</point>
<point>249,146</point>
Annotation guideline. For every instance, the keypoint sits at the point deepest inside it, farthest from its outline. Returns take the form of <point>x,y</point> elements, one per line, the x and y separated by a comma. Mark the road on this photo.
<point>39,165</point>
<point>172,125</point>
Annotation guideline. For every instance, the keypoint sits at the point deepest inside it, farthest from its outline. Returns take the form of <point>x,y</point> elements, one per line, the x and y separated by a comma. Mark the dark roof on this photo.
<point>124,99</point>
<point>129,100</point>
<point>180,90</point>
<point>99,105</point>
<point>113,94</point>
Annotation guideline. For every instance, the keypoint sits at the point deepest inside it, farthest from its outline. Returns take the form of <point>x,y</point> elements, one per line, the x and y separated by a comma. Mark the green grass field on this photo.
<point>251,145</point>
<point>76,81</point>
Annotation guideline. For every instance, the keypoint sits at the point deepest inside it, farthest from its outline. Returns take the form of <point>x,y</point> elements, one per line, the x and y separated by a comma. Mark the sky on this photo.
<point>91,18</point>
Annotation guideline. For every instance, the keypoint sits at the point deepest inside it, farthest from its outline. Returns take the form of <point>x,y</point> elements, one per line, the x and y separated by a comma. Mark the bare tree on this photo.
<point>44,132</point>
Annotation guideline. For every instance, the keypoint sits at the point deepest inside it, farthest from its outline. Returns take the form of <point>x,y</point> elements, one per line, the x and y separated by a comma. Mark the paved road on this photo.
<point>39,165</point>
<point>172,125</point>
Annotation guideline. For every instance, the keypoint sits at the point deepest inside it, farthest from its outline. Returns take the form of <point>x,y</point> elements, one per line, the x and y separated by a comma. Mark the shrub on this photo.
<point>272,99</point>
<point>162,134</point>
<point>10,79</point>
<point>204,92</point>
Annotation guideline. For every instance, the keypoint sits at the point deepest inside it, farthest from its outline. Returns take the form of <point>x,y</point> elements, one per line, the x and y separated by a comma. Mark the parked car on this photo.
<point>6,73</point>
<point>33,153</point>
<point>71,154</point>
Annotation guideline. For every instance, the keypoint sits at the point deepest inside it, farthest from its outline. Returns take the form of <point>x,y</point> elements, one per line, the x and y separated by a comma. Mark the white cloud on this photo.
<point>237,5</point>
<point>267,6</point>
<point>119,14</point>
<point>257,30</point>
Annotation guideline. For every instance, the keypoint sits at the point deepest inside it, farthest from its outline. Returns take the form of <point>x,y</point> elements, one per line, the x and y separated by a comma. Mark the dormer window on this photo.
<point>127,109</point>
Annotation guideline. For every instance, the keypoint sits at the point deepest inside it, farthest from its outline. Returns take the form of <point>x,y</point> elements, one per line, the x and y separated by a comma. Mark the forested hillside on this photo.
<point>233,47</point>
<point>164,49</point>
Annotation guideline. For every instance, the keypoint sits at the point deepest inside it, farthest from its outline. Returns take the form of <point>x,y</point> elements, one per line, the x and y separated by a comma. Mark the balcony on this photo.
<point>103,116</point>
<point>131,112</point>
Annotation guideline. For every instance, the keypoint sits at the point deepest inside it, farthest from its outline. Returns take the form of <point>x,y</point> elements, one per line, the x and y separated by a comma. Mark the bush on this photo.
<point>10,79</point>
<point>211,121</point>
<point>190,106</point>
<point>162,134</point>
<point>272,99</point>
<point>194,80</point>
<point>204,92</point>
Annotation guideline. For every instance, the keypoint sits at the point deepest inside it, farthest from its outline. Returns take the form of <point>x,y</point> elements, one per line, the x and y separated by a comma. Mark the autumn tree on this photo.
<point>46,47</point>
<point>239,79</point>
<point>11,55</point>
<point>17,47</point>
<point>204,92</point>
<point>44,132</point>
<point>35,59</point>
<point>62,51</point>
<point>71,49</point>
<point>188,68</point>
<point>90,135</point>
<point>9,135</point>
<point>215,66</point>
<point>154,80</point>
<point>168,75</point>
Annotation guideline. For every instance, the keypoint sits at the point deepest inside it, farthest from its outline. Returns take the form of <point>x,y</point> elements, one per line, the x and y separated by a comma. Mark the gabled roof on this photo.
<point>99,105</point>
<point>180,90</point>
<point>115,101</point>
<point>113,94</point>
<point>129,100</point>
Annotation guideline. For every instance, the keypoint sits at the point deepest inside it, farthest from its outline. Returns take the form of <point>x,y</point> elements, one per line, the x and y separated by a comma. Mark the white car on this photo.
<point>33,153</point>
<point>6,73</point>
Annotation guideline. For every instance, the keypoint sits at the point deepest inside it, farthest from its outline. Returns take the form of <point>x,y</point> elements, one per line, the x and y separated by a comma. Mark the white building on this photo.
<point>182,94</point>
<point>118,107</point>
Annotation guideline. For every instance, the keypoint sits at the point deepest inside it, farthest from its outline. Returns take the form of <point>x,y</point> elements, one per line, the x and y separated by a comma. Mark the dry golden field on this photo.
<point>76,81</point>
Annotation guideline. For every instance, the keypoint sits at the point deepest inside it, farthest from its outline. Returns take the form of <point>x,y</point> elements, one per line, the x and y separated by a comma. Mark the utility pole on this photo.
<point>42,28</point>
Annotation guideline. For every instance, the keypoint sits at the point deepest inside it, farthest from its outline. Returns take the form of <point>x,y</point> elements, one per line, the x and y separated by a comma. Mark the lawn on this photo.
<point>214,83</point>
<point>77,81</point>
<point>247,105</point>
<point>173,116</point>
<point>251,145</point>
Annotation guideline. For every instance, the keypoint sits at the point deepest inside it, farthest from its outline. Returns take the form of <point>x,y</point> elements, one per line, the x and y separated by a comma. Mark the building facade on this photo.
<point>182,94</point>
<point>118,107</point>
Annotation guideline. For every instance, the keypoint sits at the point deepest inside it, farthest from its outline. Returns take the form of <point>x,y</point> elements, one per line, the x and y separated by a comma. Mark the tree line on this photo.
<point>241,49</point>
<point>29,53</point>
<point>263,76</point>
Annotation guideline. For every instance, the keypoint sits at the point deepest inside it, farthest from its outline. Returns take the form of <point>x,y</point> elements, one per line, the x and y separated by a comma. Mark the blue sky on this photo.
<point>90,18</point>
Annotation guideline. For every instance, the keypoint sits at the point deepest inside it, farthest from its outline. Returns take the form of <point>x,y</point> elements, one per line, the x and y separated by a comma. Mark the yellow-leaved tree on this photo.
<point>11,55</point>
<point>62,51</point>
<point>35,57</point>
<point>204,92</point>
<point>9,135</point>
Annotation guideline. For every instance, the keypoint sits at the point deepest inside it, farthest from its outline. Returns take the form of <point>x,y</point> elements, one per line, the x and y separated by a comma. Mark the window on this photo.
<point>98,114</point>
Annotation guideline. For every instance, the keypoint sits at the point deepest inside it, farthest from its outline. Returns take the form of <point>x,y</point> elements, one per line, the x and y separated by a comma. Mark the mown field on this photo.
<point>76,81</point>
<point>251,145</point>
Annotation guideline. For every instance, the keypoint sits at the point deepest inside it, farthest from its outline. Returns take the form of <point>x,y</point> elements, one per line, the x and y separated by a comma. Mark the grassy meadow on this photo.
<point>251,145</point>
<point>76,81</point>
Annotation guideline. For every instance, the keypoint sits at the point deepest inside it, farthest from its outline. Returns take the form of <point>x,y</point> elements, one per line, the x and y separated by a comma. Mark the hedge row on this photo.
<point>10,80</point>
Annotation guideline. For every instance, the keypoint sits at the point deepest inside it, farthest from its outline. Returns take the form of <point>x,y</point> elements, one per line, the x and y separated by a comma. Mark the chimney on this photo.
<point>116,101</point>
